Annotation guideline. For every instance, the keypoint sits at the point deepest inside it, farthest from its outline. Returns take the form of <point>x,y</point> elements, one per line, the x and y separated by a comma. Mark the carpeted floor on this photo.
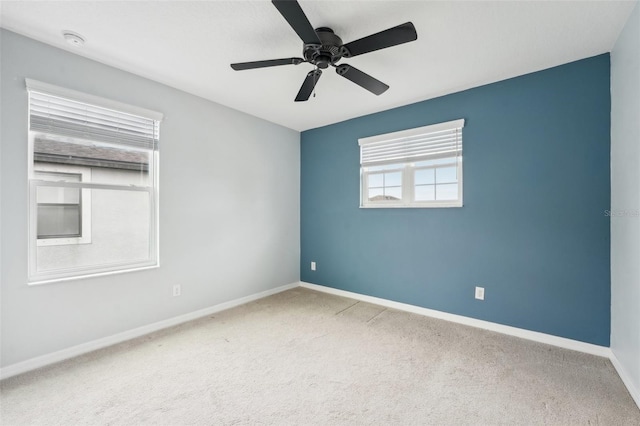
<point>308,358</point>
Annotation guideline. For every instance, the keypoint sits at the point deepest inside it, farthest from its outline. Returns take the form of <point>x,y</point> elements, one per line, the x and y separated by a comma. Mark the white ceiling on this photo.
<point>190,44</point>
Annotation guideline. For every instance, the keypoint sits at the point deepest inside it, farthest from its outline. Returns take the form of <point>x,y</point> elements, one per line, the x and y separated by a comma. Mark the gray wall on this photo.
<point>625,199</point>
<point>229,209</point>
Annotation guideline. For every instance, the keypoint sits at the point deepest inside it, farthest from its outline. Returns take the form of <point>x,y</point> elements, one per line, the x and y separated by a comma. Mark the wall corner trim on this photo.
<point>535,336</point>
<point>83,348</point>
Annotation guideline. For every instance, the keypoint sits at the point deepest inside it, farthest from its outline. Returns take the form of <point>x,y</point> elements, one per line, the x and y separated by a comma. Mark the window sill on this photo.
<point>48,242</point>
<point>36,281</point>
<point>411,206</point>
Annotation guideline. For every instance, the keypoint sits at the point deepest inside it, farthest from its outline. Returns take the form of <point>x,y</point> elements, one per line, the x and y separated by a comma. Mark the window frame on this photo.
<point>36,277</point>
<point>408,168</point>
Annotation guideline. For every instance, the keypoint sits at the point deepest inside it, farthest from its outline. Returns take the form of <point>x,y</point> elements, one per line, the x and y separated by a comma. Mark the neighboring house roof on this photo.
<point>47,151</point>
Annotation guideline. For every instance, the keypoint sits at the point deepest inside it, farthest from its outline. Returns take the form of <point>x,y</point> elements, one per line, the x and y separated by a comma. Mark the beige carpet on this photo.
<point>307,358</point>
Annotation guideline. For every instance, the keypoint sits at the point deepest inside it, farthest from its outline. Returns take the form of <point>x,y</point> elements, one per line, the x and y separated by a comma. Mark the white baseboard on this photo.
<point>44,360</point>
<point>61,355</point>
<point>548,339</point>
<point>635,392</point>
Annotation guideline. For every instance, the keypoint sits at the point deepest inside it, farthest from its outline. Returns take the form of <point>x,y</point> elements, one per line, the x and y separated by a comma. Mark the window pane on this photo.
<point>57,176</point>
<point>393,193</point>
<point>424,177</point>
<point>55,195</point>
<point>446,175</point>
<point>376,180</point>
<point>375,194</point>
<point>393,179</point>
<point>58,220</point>
<point>120,228</point>
<point>103,158</point>
<point>447,192</point>
<point>425,192</point>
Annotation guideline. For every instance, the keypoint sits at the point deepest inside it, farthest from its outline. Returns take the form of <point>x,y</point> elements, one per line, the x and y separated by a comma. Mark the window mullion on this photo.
<point>407,184</point>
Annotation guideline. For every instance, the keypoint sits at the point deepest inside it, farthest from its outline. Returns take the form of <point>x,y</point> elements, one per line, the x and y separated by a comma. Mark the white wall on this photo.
<point>625,199</point>
<point>229,209</point>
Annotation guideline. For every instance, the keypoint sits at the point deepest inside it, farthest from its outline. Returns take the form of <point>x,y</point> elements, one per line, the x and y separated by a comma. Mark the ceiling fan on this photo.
<point>323,48</point>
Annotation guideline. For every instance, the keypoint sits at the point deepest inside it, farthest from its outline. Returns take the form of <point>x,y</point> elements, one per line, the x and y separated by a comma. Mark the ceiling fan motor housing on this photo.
<point>327,53</point>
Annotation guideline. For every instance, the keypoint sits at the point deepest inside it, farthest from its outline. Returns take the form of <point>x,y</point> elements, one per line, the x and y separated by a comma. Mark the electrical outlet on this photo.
<point>480,293</point>
<point>313,266</point>
<point>176,290</point>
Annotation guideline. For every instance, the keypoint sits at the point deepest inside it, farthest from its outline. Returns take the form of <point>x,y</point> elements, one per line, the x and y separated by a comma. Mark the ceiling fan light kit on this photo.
<point>323,48</point>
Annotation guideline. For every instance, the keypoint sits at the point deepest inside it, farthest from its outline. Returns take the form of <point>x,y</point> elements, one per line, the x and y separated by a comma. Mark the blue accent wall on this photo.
<point>533,229</point>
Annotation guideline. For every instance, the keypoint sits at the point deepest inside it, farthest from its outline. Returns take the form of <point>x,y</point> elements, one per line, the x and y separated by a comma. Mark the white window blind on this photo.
<point>424,143</point>
<point>52,113</point>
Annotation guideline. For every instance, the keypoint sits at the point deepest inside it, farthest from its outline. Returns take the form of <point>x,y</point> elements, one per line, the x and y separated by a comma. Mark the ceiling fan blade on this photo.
<point>294,15</point>
<point>262,64</point>
<point>307,86</point>
<point>392,37</point>
<point>361,79</point>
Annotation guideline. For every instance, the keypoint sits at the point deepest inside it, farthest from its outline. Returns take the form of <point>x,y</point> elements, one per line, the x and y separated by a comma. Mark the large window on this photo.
<point>413,168</point>
<point>93,185</point>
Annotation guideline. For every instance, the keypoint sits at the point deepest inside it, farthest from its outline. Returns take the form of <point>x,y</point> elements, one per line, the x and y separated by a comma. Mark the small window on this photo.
<point>64,214</point>
<point>93,185</point>
<point>413,168</point>
<point>59,209</point>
